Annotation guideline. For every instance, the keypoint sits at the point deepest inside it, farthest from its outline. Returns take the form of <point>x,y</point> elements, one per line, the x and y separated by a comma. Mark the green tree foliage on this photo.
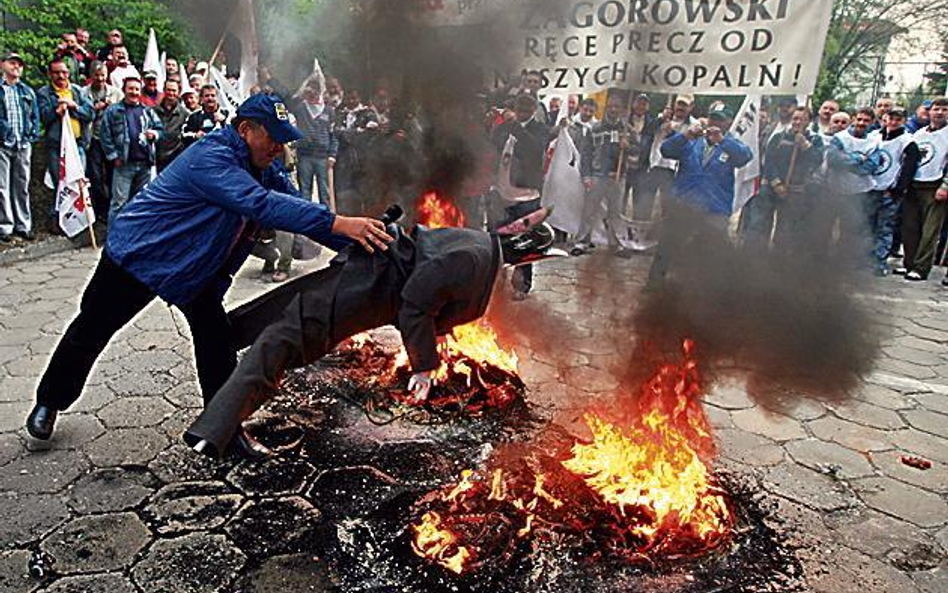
<point>32,28</point>
<point>862,29</point>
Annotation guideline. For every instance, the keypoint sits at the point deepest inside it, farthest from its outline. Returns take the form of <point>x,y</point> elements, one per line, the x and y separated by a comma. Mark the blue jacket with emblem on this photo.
<point>706,181</point>
<point>113,130</point>
<point>29,114</point>
<point>193,227</point>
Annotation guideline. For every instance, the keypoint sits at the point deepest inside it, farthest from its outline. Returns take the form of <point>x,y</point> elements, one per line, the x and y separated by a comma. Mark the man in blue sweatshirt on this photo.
<point>182,239</point>
<point>707,157</point>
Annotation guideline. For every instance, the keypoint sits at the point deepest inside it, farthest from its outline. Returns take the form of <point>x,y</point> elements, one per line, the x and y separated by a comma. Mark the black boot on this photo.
<point>41,421</point>
<point>246,447</point>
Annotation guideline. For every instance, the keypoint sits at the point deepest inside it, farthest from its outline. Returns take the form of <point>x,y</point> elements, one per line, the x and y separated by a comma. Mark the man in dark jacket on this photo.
<point>129,133</point>
<point>427,283</point>
<point>182,239</point>
<point>526,170</point>
<point>316,152</point>
<point>791,159</point>
<point>204,121</point>
<point>603,175</point>
<point>173,115</point>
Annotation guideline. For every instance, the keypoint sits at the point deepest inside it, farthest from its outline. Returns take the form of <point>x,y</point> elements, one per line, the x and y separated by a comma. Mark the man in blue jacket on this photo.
<point>707,158</point>
<point>182,239</point>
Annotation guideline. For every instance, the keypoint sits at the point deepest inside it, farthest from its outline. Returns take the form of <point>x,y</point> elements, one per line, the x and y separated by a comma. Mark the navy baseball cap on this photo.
<point>270,111</point>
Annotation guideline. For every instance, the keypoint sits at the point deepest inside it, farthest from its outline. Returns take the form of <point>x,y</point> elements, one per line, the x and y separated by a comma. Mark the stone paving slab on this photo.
<point>125,507</point>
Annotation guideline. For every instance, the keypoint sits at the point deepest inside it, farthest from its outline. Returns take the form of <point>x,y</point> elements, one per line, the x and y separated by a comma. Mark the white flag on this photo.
<point>504,187</point>
<point>72,197</point>
<point>244,28</point>
<point>563,185</point>
<point>746,128</point>
<point>228,96</point>
<point>153,61</point>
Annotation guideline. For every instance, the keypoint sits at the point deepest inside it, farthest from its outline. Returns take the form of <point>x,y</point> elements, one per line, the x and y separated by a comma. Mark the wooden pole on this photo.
<point>628,112</point>
<point>88,206</point>
<point>220,43</point>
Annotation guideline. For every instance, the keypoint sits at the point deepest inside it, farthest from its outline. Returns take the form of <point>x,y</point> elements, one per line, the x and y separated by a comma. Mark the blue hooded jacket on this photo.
<point>706,182</point>
<point>194,224</point>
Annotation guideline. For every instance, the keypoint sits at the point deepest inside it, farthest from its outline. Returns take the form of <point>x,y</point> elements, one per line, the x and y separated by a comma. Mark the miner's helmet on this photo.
<point>271,112</point>
<point>527,247</point>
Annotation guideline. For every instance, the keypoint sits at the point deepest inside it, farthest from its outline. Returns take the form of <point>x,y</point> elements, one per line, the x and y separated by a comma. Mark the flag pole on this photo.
<point>88,207</point>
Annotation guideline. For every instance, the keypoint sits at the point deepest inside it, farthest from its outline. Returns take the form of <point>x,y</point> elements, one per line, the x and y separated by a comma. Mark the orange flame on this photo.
<point>431,541</point>
<point>653,476</point>
<point>437,212</point>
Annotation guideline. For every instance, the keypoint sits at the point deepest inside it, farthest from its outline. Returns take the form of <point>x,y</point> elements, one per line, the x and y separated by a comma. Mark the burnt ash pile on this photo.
<point>371,474</point>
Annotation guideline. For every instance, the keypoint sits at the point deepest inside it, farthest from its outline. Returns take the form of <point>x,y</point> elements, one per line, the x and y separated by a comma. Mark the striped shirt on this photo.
<point>12,101</point>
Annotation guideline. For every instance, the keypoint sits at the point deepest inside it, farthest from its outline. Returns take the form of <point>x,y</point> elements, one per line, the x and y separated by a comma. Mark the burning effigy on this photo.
<point>645,491</point>
<point>476,373</point>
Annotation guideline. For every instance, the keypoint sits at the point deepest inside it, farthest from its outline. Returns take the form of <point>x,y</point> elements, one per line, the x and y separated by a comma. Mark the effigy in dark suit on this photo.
<point>425,284</point>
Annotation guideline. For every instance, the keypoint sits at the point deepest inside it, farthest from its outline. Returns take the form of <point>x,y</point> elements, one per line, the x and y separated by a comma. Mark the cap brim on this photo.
<point>284,133</point>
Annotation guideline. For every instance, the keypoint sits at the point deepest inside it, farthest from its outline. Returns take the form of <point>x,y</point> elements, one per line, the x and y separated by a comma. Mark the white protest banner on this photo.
<point>721,47</point>
<point>72,197</point>
<point>746,128</point>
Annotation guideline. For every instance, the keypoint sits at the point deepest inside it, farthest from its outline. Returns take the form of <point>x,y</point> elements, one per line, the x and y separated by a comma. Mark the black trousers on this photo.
<point>287,331</point>
<point>112,298</point>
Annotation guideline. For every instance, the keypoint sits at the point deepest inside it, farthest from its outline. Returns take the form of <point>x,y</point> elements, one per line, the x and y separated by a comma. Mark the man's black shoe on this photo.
<point>246,447</point>
<point>25,235</point>
<point>40,422</point>
<point>5,237</point>
<point>944,281</point>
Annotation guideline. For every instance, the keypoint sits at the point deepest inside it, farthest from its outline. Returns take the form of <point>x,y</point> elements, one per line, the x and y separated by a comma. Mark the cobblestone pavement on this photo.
<point>123,506</point>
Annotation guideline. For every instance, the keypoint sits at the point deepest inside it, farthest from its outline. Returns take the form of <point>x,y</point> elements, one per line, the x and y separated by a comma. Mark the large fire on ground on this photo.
<point>476,372</point>
<point>645,492</point>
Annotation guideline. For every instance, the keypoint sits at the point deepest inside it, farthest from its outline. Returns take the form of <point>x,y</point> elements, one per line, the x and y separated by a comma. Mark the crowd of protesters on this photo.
<point>832,176</point>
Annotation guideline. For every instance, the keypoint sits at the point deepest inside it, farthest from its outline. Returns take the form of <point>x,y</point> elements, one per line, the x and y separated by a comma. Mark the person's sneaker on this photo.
<point>581,248</point>
<point>900,271</point>
<point>25,235</point>
<point>914,276</point>
<point>944,281</point>
<point>280,276</point>
<point>881,272</point>
<point>5,238</point>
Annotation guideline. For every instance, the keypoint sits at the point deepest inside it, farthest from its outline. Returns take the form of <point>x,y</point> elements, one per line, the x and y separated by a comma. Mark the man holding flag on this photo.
<point>182,239</point>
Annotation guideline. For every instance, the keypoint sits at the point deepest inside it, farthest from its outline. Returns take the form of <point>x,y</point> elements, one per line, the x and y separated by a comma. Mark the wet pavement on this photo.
<point>122,505</point>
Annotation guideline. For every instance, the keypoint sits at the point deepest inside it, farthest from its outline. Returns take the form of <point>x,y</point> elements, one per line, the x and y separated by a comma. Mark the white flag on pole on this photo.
<point>504,187</point>
<point>746,128</point>
<point>72,197</point>
<point>563,185</point>
<point>228,96</point>
<point>153,61</point>
<point>244,28</point>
